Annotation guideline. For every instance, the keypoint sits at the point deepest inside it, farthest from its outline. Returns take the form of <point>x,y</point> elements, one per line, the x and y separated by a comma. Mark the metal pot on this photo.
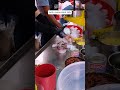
<point>111,39</point>
<point>114,62</point>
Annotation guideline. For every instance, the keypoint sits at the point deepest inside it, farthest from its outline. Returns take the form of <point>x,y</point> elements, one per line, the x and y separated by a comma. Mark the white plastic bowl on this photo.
<point>72,77</point>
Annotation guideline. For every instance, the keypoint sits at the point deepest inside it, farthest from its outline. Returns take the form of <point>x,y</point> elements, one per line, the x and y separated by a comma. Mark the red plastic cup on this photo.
<point>45,77</point>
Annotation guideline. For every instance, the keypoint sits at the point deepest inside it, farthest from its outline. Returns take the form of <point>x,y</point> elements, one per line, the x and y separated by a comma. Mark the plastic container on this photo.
<point>97,63</point>
<point>75,53</point>
<point>72,77</point>
<point>45,77</point>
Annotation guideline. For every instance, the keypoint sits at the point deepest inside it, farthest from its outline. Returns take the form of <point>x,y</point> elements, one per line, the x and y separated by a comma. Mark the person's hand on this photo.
<point>60,32</point>
<point>69,38</point>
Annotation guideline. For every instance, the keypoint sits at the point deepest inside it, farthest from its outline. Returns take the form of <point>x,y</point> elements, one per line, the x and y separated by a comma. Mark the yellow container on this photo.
<point>99,32</point>
<point>80,41</point>
<point>80,20</point>
<point>35,87</point>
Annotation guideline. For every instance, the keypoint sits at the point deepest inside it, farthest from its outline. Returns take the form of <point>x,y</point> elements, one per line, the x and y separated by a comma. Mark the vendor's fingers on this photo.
<point>67,37</point>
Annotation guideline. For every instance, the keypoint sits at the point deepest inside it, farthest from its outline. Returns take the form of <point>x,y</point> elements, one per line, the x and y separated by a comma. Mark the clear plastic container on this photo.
<point>72,77</point>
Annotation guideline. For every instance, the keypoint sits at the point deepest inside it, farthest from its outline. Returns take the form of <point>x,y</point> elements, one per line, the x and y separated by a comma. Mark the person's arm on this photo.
<point>39,16</point>
<point>37,12</point>
<point>40,27</point>
<point>46,28</point>
<point>51,17</point>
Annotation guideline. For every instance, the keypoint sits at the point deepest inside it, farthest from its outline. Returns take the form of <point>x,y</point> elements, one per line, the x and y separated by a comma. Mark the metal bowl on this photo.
<point>111,39</point>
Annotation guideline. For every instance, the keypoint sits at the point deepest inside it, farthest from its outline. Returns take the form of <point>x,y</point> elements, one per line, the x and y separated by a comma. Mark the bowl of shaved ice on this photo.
<point>99,14</point>
<point>73,30</point>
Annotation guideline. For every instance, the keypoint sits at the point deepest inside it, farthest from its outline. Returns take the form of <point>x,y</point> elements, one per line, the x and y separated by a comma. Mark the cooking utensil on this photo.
<point>114,62</point>
<point>112,39</point>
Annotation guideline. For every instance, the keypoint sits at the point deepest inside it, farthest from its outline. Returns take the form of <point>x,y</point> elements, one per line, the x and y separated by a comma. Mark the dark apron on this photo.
<point>46,36</point>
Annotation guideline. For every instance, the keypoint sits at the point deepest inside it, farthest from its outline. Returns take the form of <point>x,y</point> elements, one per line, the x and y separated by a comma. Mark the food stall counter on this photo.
<point>47,54</point>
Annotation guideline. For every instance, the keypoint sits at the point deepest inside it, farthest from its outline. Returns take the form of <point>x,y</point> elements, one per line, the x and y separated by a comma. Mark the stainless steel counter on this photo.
<point>19,69</point>
<point>5,66</point>
<point>49,55</point>
<point>22,73</point>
